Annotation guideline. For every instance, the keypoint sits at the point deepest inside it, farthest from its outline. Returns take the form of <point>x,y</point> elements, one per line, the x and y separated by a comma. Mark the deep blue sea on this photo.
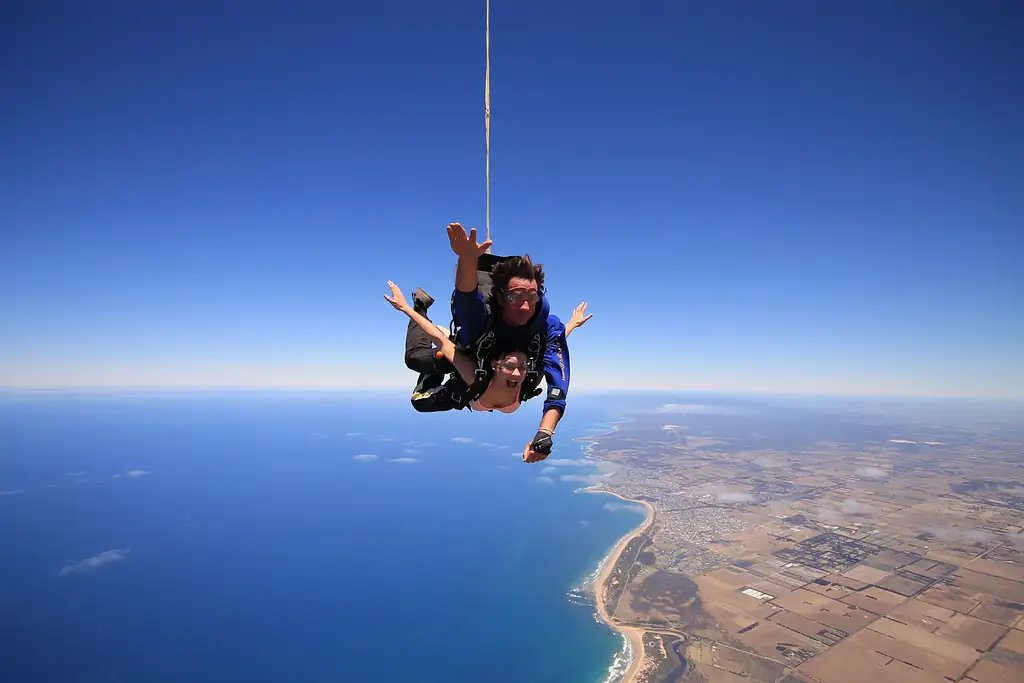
<point>237,537</point>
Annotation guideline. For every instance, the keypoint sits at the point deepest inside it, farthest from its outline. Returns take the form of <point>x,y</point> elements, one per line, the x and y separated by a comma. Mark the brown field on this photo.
<point>804,626</point>
<point>922,614</point>
<point>720,664</point>
<point>858,659</point>
<point>983,583</point>
<point>980,635</point>
<point>1004,570</point>
<point>950,597</point>
<point>866,574</point>
<point>928,651</point>
<point>998,611</point>
<point>997,667</point>
<point>953,556</point>
<point>825,610</point>
<point>836,586</point>
<point>780,644</point>
<point>874,600</point>
<point>930,568</point>
<point>1013,641</point>
<point>731,609</point>
<point>794,677</point>
<point>732,577</point>
<point>888,560</point>
<point>904,584</point>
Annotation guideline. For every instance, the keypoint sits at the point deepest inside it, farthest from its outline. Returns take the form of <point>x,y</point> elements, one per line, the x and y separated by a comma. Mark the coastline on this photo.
<point>633,634</point>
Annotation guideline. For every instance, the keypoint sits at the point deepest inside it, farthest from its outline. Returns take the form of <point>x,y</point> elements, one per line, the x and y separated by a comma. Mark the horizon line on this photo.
<point>199,388</point>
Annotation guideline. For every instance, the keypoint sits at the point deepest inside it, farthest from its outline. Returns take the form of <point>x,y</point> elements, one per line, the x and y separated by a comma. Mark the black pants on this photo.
<point>420,353</point>
<point>430,396</point>
<point>439,398</point>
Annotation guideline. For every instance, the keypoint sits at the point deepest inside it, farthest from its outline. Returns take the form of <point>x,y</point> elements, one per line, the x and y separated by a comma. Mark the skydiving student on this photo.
<point>524,328</point>
<point>423,356</point>
<point>503,388</point>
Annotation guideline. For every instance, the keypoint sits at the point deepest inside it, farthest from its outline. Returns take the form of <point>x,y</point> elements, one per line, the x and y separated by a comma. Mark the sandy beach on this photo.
<point>634,634</point>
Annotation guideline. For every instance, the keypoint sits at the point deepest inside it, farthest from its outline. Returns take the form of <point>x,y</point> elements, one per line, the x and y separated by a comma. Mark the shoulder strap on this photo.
<point>534,364</point>
<point>483,372</point>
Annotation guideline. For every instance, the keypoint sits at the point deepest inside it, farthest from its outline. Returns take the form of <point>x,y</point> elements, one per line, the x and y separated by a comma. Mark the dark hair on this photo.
<point>515,266</point>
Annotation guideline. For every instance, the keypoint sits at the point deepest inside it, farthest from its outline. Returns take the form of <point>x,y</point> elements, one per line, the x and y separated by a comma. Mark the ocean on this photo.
<point>299,537</point>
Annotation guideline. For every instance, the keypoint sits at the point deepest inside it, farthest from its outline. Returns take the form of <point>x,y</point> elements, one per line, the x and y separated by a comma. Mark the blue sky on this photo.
<point>796,196</point>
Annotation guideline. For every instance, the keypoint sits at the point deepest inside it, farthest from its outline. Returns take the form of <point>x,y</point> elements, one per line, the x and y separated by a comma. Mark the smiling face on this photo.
<point>518,287</point>
<point>510,369</point>
<point>519,301</point>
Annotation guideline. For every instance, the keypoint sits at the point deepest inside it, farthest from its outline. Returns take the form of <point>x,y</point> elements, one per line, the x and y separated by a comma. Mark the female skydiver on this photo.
<point>503,392</point>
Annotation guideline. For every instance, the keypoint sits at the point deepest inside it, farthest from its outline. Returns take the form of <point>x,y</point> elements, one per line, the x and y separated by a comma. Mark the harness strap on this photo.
<point>482,374</point>
<point>533,374</point>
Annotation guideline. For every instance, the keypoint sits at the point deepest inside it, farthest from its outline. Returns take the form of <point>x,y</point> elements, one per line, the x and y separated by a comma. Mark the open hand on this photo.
<point>397,299</point>
<point>579,316</point>
<point>466,246</point>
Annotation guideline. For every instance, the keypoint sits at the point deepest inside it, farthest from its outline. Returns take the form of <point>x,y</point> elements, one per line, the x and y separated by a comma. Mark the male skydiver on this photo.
<point>518,314</point>
<point>513,286</point>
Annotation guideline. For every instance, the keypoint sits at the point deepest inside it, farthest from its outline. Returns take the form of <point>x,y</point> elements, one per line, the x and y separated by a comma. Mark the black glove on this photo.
<point>542,443</point>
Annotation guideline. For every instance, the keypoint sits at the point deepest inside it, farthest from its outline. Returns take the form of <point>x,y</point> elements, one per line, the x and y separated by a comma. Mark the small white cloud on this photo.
<point>548,470</point>
<point>364,457</point>
<point>584,522</point>
<point>353,433</point>
<point>96,561</point>
<point>545,480</point>
<point>735,497</point>
<point>669,428</point>
<point>11,492</point>
<point>410,450</point>
<point>135,474</point>
<point>856,507</point>
<point>977,535</point>
<point>768,462</point>
<point>462,439</point>
<point>827,516</point>
<point>404,460</point>
<point>871,472</point>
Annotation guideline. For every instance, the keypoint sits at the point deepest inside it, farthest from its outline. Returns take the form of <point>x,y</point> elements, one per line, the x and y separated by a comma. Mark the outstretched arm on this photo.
<point>397,299</point>
<point>579,317</point>
<point>556,371</point>
<point>468,251</point>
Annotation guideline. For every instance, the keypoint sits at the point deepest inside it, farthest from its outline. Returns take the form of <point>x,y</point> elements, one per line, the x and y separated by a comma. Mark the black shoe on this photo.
<point>421,301</point>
